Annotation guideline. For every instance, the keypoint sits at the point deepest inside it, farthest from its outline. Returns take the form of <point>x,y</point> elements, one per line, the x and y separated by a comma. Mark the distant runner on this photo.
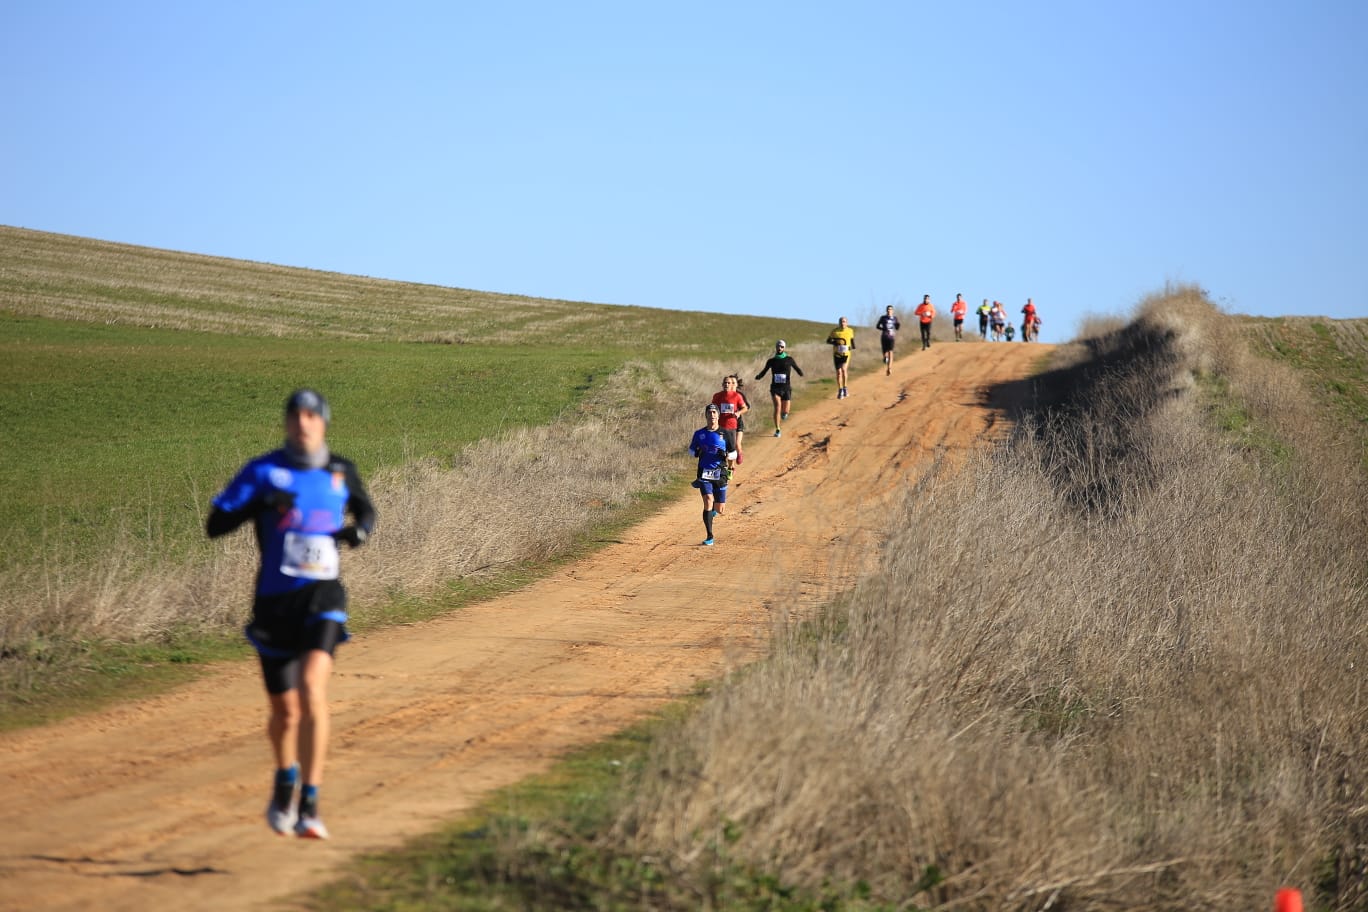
<point>741,417</point>
<point>957,312</point>
<point>781,369</point>
<point>926,312</point>
<point>710,447</point>
<point>983,311</point>
<point>888,327</point>
<point>1028,320</point>
<point>731,405</point>
<point>842,342</point>
<point>999,320</point>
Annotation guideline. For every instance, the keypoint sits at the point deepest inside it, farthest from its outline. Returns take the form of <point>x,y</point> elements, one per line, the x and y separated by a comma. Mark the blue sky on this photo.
<point>775,158</point>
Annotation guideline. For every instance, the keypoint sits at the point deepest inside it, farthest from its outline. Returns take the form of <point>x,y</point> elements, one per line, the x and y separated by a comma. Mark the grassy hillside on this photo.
<point>134,381</point>
<point>1120,671</point>
<point>1332,356</point>
<point>68,278</point>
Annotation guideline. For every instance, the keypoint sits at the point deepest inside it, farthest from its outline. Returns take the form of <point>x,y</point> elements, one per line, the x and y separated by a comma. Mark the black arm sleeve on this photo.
<point>360,505</point>
<point>221,522</point>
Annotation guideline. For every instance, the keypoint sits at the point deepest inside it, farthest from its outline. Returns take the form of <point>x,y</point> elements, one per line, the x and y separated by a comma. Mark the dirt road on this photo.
<point>157,805</point>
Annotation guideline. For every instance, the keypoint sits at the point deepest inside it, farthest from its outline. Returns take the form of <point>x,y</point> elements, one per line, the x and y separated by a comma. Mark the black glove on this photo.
<point>278,500</point>
<point>353,536</point>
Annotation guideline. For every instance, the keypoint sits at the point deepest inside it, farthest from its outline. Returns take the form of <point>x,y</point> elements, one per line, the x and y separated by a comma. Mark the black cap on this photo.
<point>310,401</point>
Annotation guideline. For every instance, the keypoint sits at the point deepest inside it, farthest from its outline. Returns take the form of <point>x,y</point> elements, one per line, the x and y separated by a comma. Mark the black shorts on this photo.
<point>740,423</point>
<point>840,360</point>
<point>886,343</point>
<point>285,627</point>
<point>729,435</point>
<point>784,392</point>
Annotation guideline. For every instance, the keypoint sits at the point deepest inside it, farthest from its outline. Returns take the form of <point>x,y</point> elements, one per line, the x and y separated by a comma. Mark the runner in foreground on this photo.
<point>710,447</point>
<point>297,498</point>
<point>781,370</point>
<point>842,342</point>
<point>888,327</point>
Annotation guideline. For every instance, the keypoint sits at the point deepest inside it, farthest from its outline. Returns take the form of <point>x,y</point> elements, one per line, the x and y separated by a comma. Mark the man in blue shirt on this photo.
<point>710,447</point>
<point>297,498</point>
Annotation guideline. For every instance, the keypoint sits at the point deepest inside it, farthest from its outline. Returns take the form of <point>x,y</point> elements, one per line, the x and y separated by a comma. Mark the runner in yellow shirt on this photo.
<point>842,342</point>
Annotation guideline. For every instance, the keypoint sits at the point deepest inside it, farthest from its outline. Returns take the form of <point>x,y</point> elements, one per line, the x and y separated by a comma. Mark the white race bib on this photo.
<point>780,379</point>
<point>308,556</point>
<point>842,349</point>
<point>713,474</point>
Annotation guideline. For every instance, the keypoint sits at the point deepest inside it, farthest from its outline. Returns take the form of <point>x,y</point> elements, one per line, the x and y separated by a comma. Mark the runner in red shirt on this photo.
<point>731,405</point>
<point>1028,320</point>
<point>958,310</point>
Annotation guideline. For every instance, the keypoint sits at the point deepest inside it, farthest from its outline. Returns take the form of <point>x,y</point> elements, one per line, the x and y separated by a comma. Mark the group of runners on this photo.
<point>993,319</point>
<point>305,502</point>
<point>717,445</point>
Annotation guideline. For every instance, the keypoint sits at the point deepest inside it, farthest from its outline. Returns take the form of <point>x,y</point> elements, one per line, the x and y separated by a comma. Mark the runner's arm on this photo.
<point>221,522</point>
<point>360,505</point>
<point>242,500</point>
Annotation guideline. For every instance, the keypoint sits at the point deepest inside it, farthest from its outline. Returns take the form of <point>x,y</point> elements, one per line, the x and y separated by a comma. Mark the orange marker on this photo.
<point>1287,900</point>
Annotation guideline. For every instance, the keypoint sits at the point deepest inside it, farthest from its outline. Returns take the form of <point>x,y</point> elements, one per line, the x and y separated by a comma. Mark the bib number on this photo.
<point>842,349</point>
<point>713,474</point>
<point>310,556</point>
<point>780,379</point>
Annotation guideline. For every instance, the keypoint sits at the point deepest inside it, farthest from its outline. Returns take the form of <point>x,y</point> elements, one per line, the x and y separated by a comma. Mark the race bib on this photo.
<point>713,474</point>
<point>309,556</point>
<point>842,349</point>
<point>727,408</point>
<point>780,379</point>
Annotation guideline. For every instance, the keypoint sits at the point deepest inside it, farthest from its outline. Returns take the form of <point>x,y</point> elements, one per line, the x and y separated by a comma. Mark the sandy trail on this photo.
<point>157,805</point>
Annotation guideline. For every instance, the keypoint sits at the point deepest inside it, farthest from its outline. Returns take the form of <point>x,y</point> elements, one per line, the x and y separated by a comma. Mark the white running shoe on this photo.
<point>282,820</point>
<point>283,810</point>
<point>310,828</point>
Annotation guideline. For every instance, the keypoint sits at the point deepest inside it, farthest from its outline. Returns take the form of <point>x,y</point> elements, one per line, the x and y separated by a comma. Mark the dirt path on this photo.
<point>157,805</point>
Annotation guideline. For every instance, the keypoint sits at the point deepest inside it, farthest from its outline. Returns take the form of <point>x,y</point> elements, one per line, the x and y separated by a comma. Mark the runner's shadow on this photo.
<point>99,864</point>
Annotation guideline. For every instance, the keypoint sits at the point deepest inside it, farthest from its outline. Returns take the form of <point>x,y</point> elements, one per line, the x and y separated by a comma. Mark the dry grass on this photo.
<point>71,278</point>
<point>523,497</point>
<point>1120,670</point>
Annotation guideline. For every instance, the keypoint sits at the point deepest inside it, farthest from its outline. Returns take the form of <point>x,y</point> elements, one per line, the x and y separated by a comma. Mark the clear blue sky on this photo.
<point>776,158</point>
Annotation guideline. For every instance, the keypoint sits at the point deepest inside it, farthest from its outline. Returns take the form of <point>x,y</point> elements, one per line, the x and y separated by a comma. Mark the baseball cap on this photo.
<point>308,400</point>
<point>710,407</point>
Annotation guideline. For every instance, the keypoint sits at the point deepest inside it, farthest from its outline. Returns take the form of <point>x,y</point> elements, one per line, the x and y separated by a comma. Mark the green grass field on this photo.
<point>127,430</point>
<point>133,381</point>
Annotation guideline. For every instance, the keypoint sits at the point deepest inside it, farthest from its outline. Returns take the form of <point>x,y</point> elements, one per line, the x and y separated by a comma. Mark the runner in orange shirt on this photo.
<point>926,312</point>
<point>958,310</point>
